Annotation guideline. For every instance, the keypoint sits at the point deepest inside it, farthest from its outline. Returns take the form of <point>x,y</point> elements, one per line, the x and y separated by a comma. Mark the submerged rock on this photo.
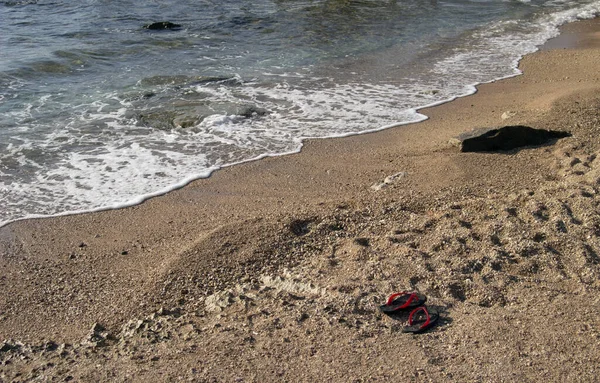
<point>159,119</point>
<point>505,138</point>
<point>252,111</point>
<point>163,25</point>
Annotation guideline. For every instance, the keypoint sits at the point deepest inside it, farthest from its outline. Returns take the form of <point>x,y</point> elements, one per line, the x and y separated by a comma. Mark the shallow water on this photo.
<point>98,112</point>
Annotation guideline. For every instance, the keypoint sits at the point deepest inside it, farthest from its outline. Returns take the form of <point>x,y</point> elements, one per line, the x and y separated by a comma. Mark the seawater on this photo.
<point>97,112</point>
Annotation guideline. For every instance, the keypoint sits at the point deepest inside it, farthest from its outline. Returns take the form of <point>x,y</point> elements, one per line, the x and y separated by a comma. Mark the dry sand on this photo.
<point>274,270</point>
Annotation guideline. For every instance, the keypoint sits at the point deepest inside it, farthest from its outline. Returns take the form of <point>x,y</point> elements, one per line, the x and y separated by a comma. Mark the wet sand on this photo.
<point>274,270</point>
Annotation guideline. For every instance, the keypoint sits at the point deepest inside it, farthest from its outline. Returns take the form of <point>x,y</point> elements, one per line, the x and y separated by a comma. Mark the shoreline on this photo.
<point>565,39</point>
<point>300,247</point>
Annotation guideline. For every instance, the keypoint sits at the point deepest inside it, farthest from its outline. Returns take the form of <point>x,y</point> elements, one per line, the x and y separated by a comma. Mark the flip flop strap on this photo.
<point>411,298</point>
<point>412,313</point>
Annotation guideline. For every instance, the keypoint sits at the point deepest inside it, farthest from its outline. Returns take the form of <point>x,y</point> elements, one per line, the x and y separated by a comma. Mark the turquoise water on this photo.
<point>98,112</point>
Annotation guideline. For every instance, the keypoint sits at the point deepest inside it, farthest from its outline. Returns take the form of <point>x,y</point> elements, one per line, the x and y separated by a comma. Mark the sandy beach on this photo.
<point>274,270</point>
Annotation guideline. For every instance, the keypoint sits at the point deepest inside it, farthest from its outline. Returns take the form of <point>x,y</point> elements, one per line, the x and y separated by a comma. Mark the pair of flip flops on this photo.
<point>420,318</point>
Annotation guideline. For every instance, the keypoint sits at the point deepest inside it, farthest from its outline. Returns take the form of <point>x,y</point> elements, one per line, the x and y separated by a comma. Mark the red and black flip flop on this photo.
<point>403,301</point>
<point>420,320</point>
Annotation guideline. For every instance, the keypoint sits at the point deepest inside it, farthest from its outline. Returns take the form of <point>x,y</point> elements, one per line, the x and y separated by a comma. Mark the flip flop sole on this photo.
<point>420,326</point>
<point>404,301</point>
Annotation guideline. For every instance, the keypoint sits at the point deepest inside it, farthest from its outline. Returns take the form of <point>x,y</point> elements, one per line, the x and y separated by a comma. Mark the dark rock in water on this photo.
<point>157,119</point>
<point>505,138</point>
<point>162,25</point>
<point>187,81</point>
<point>252,111</point>
<point>222,80</point>
<point>166,80</point>
<point>16,3</point>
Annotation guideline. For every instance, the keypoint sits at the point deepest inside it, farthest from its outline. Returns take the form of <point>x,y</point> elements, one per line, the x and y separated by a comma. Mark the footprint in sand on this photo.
<point>571,163</point>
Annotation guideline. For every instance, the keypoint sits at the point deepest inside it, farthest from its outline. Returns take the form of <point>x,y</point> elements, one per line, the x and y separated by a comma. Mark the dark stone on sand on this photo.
<point>506,138</point>
<point>162,25</point>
